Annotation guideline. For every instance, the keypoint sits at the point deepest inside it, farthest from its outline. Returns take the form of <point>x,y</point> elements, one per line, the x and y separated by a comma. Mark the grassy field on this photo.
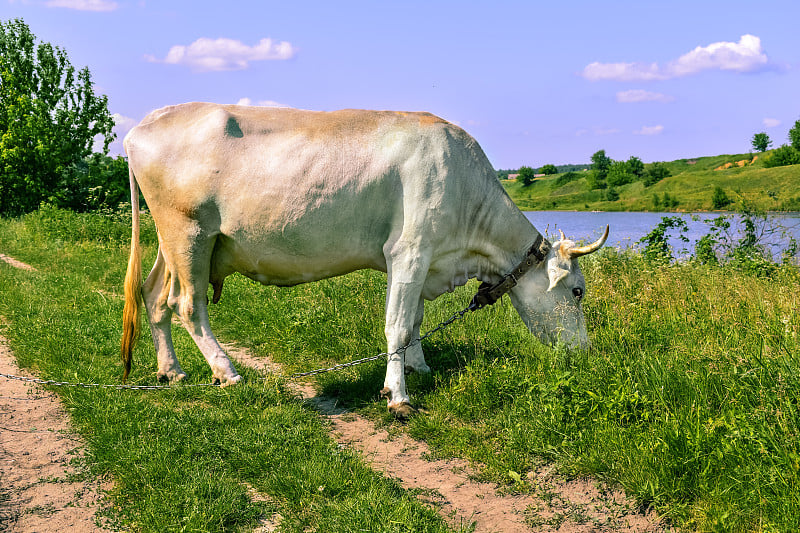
<point>688,398</point>
<point>692,184</point>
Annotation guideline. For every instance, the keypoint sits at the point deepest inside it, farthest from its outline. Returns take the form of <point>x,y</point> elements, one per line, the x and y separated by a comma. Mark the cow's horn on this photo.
<point>583,250</point>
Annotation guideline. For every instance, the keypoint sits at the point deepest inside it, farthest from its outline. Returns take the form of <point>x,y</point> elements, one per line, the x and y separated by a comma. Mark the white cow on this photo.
<point>287,196</point>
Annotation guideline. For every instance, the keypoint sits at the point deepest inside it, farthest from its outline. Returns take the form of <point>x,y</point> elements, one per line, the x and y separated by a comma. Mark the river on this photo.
<point>628,227</point>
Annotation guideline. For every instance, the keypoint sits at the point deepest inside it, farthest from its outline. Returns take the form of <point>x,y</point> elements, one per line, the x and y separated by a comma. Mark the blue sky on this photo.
<point>533,82</point>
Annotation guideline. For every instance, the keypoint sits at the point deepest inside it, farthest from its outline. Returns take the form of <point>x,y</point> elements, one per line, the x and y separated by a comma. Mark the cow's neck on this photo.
<point>500,238</point>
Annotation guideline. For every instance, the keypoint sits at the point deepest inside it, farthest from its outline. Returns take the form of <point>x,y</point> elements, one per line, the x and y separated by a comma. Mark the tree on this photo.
<point>635,166</point>
<point>657,172</point>
<point>794,135</point>
<point>601,163</point>
<point>49,118</point>
<point>549,170</point>
<point>526,175</point>
<point>761,141</point>
<point>619,174</point>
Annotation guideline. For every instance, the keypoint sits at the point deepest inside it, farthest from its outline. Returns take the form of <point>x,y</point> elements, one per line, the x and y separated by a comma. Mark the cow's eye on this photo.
<point>577,292</point>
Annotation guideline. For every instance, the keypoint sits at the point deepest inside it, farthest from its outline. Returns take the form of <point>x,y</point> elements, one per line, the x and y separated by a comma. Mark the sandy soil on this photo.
<point>41,487</point>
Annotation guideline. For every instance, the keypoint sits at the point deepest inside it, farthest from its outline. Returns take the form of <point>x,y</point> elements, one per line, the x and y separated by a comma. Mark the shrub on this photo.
<point>565,178</point>
<point>720,200</point>
<point>785,155</point>
<point>549,170</point>
<point>657,249</point>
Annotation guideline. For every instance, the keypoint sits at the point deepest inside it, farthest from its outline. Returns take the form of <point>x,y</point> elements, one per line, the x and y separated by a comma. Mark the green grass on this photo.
<point>688,398</point>
<point>692,183</point>
<point>181,459</point>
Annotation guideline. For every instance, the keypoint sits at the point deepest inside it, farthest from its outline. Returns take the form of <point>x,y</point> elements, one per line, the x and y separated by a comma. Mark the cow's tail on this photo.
<point>133,285</point>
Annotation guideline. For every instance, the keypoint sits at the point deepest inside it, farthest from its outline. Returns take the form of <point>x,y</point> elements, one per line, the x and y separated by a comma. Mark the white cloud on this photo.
<point>596,131</point>
<point>84,5</point>
<point>263,103</point>
<point>225,54</point>
<point>743,56</point>
<point>638,95</point>
<point>122,124</point>
<point>649,130</point>
<point>771,122</point>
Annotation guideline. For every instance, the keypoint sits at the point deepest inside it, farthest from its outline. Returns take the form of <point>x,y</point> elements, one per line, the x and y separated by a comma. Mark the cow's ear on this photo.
<point>556,274</point>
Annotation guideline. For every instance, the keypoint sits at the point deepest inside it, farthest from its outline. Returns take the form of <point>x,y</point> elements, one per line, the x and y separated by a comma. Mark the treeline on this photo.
<point>544,169</point>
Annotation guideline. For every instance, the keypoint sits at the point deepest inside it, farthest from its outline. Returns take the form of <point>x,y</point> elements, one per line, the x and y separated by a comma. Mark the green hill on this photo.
<point>690,188</point>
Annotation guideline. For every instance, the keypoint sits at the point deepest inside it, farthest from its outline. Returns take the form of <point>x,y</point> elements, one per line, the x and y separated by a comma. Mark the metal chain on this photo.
<point>458,315</point>
<point>442,325</point>
<point>99,385</point>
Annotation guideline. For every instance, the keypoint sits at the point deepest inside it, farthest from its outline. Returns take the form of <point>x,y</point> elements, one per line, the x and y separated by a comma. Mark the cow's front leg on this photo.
<point>405,280</point>
<point>415,359</point>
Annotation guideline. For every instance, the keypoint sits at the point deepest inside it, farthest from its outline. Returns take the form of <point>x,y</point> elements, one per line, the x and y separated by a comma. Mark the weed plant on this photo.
<point>688,397</point>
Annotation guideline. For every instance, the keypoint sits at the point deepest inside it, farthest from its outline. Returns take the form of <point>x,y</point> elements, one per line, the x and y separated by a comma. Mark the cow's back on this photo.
<point>286,186</point>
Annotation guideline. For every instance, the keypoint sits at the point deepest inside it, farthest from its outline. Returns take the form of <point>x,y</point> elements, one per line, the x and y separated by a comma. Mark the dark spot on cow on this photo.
<point>232,128</point>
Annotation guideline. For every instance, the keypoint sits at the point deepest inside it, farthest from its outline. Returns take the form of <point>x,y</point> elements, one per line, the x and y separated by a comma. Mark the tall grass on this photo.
<point>688,397</point>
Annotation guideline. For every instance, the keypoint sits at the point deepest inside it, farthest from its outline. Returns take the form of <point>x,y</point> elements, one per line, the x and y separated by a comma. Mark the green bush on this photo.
<point>565,178</point>
<point>720,200</point>
<point>785,155</point>
<point>655,173</point>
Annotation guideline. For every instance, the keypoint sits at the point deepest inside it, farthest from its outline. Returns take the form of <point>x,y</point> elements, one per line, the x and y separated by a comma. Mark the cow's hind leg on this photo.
<point>155,292</point>
<point>189,260</point>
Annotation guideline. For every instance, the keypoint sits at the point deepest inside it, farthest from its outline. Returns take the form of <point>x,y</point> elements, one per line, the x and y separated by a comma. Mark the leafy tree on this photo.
<point>761,141</point>
<point>601,163</point>
<point>549,170</point>
<point>612,195</point>
<point>720,200</point>
<point>594,181</point>
<point>636,167</point>
<point>785,155</point>
<point>49,118</point>
<point>619,174</point>
<point>794,135</point>
<point>526,175</point>
<point>657,172</point>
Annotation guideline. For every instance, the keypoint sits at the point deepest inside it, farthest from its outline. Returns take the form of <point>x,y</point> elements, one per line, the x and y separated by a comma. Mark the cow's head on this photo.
<point>548,298</point>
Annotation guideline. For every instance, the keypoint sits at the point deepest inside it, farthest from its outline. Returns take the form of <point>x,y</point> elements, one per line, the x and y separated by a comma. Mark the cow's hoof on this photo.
<point>171,377</point>
<point>402,411</point>
<point>228,381</point>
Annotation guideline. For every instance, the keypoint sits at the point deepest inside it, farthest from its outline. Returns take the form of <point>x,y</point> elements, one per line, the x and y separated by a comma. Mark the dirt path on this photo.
<point>559,505</point>
<point>41,489</point>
